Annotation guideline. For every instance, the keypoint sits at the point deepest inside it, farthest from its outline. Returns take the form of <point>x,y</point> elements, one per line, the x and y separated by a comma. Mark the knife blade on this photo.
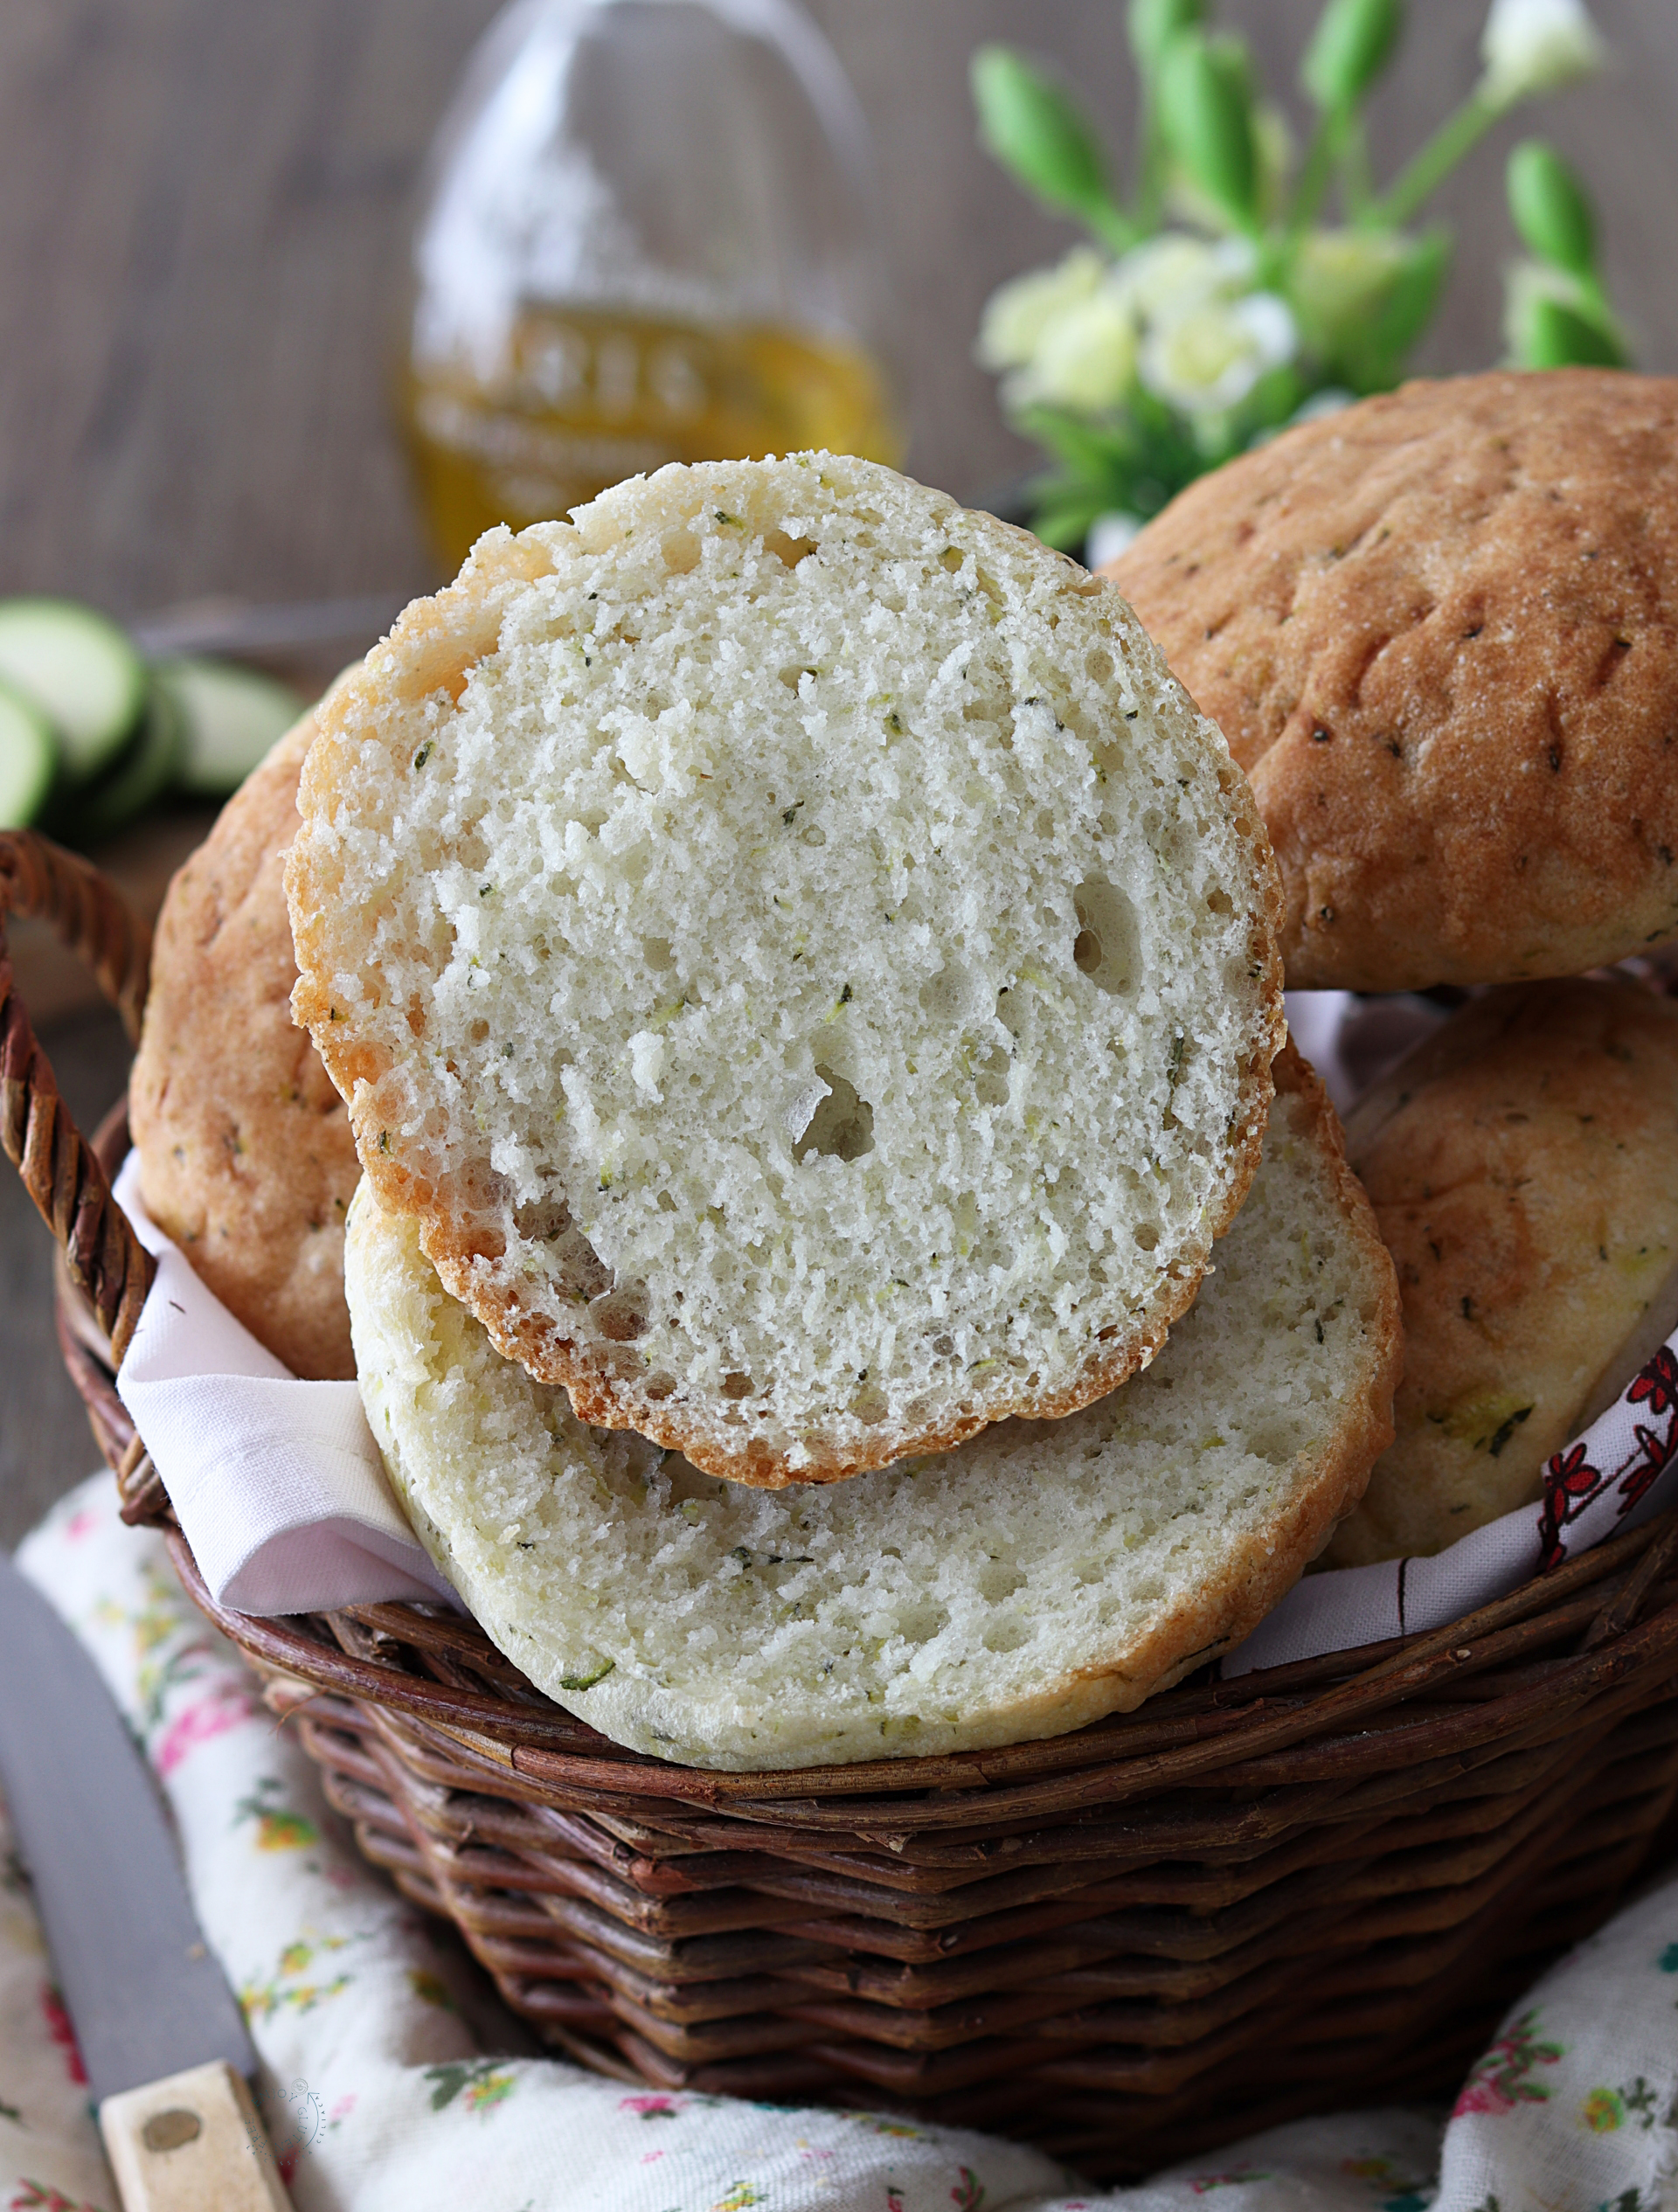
<point>163,2042</point>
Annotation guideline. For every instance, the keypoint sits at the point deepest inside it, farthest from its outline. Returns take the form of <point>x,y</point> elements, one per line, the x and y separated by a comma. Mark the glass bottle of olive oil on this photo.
<point>649,235</point>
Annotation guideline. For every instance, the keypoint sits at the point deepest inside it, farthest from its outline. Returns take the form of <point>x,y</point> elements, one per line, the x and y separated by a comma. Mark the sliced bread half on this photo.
<point>800,957</point>
<point>1027,1582</point>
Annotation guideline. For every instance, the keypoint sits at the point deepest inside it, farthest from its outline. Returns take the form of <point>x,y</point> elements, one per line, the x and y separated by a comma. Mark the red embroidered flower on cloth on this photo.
<point>1657,1382</point>
<point>1570,1482</point>
<point>1642,1474</point>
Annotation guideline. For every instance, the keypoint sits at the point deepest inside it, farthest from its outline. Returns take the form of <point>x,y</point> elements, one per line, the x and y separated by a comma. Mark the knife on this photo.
<point>163,2042</point>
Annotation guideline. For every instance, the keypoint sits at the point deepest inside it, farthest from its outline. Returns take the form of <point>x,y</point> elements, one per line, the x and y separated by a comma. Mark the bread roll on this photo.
<point>1524,1166</point>
<point>246,1155</point>
<point>1440,633</point>
<point>798,957</point>
<point>1030,1580</point>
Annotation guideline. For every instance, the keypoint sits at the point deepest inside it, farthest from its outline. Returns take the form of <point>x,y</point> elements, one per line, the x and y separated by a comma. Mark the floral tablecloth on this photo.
<point>384,2089</point>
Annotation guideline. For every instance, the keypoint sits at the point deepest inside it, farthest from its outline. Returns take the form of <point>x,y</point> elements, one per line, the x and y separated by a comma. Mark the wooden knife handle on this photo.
<point>192,2143</point>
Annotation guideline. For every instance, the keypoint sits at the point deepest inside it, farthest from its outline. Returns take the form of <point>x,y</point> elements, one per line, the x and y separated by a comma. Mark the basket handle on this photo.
<point>106,1260</point>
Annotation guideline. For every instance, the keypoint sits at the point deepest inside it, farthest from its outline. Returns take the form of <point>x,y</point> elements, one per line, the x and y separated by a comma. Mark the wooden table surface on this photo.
<point>203,205</point>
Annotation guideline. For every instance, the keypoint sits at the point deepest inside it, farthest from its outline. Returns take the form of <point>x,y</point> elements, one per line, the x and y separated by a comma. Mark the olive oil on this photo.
<point>585,397</point>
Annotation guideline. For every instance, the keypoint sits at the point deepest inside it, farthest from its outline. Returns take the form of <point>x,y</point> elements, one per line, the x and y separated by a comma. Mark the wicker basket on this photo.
<point>1314,1886</point>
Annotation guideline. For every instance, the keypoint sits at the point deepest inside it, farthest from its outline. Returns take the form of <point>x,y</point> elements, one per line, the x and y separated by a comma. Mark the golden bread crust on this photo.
<point>246,1155</point>
<point>1437,630</point>
<point>1523,1166</point>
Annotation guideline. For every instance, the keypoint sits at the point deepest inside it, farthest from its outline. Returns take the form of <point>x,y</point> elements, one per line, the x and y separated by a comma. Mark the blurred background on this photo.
<point>205,207</point>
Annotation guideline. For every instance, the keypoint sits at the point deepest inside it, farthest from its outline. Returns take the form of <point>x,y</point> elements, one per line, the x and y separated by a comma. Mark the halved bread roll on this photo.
<point>799,958</point>
<point>1026,1583</point>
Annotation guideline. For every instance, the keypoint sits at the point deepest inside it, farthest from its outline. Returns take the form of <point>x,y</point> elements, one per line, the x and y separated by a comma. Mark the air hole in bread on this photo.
<point>952,995</point>
<point>1147,1235</point>
<point>990,1077</point>
<point>578,1267</point>
<point>620,1315</point>
<point>655,951</point>
<point>870,1405</point>
<point>842,1127</point>
<point>737,1385</point>
<point>1106,948</point>
<point>681,551</point>
<point>790,550</point>
<point>999,1580</point>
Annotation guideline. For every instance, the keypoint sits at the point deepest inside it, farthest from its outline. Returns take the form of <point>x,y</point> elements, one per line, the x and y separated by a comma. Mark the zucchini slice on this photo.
<point>80,671</point>
<point>144,770</point>
<point>232,717</point>
<point>29,759</point>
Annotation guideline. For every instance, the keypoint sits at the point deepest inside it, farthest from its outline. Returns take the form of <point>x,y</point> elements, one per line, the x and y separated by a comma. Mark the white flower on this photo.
<point>1174,272</point>
<point>1086,358</point>
<point>1532,47</point>
<point>1019,313</point>
<point>1110,535</point>
<point>1209,360</point>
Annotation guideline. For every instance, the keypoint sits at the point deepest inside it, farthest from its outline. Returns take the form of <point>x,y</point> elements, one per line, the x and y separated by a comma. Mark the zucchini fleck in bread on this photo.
<point>1030,1581</point>
<point>1437,630</point>
<point>799,958</point>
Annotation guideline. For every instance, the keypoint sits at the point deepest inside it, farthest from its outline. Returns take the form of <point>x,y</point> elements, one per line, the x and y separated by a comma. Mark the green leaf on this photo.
<point>1550,208</point>
<point>1206,116</point>
<point>1351,45</point>
<point>1087,449</point>
<point>1064,523</point>
<point>1154,24</point>
<point>1031,128</point>
<point>1559,336</point>
<point>1409,307</point>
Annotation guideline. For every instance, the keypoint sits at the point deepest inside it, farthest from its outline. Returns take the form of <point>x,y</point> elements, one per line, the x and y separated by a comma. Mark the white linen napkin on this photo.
<point>381,2095</point>
<point>277,1483</point>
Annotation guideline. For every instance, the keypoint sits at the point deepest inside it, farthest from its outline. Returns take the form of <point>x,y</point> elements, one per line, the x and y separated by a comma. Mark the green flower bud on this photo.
<point>1154,24</point>
<point>1032,129</point>
<point>1363,297</point>
<point>1206,115</point>
<point>1550,209</point>
<point>1551,321</point>
<point>1351,45</point>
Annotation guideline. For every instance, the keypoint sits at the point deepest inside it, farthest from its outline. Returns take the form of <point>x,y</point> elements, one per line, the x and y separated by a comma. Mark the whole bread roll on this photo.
<point>246,1155</point>
<point>1524,1166</point>
<point>1440,630</point>
<point>799,957</point>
